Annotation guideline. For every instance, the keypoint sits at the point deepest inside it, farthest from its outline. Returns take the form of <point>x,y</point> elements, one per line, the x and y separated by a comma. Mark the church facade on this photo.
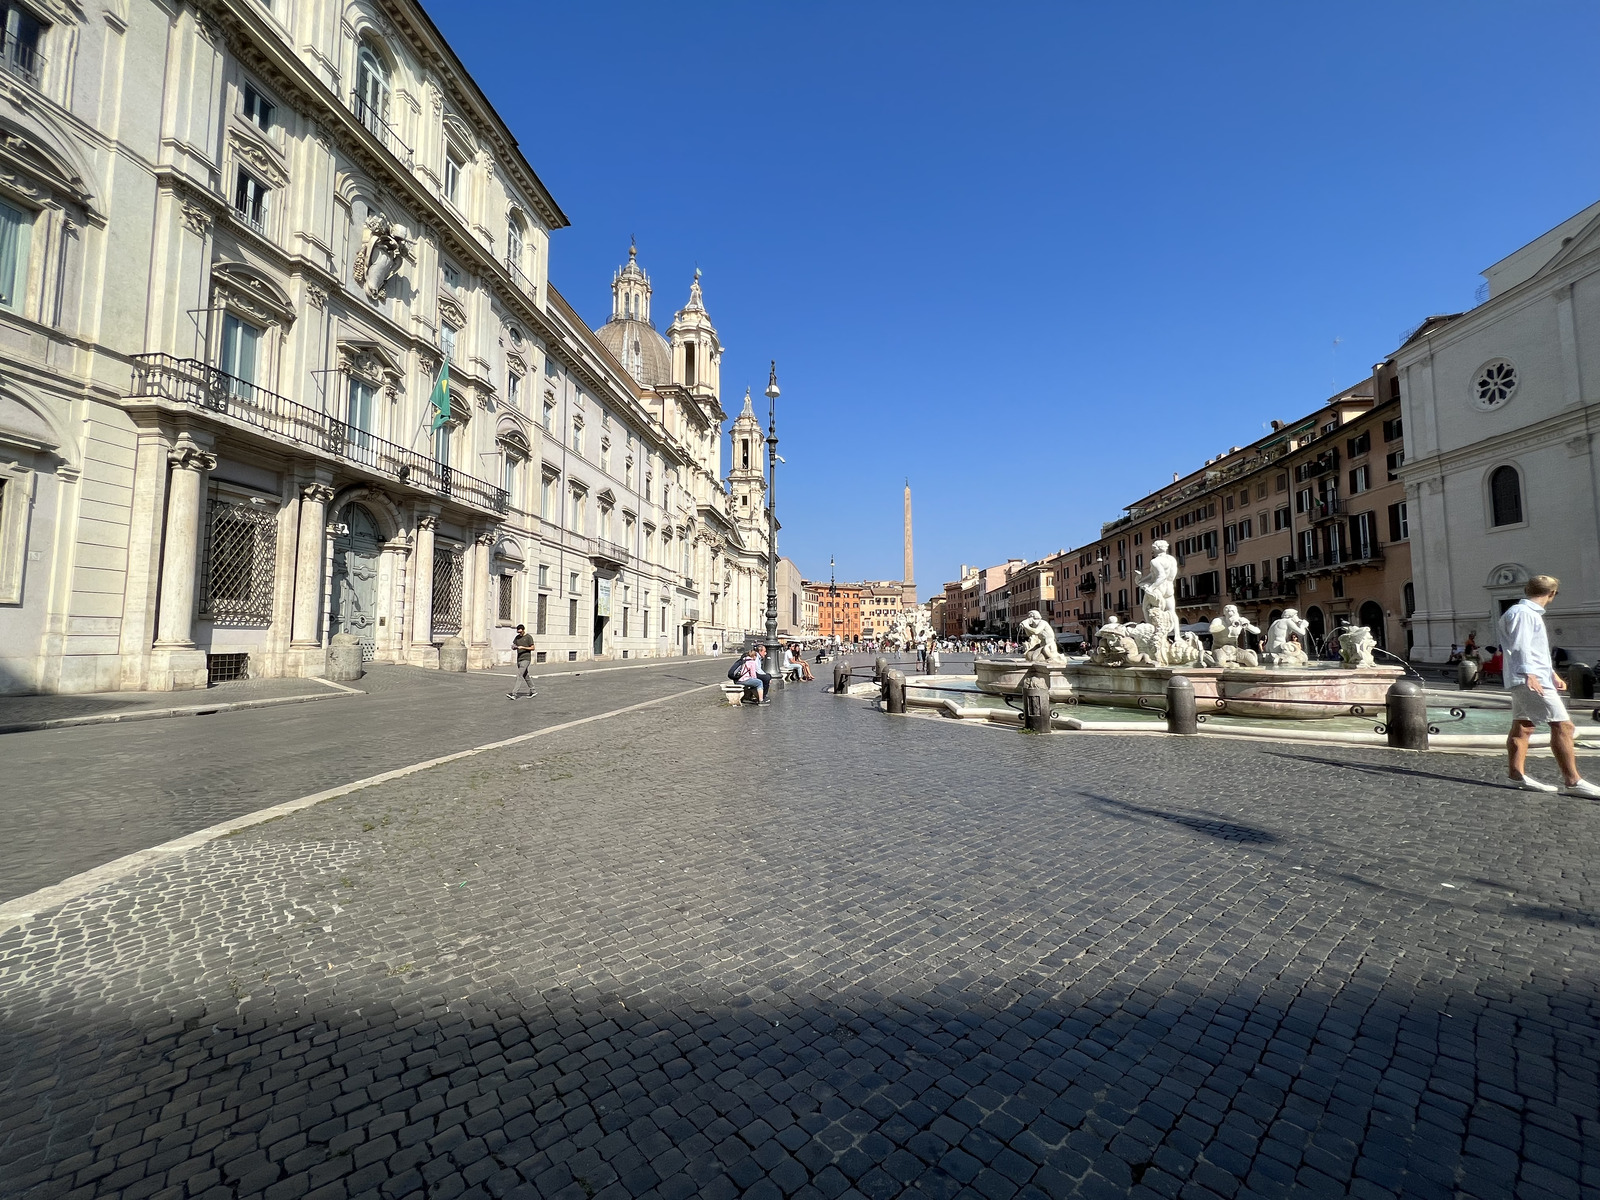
<point>308,376</point>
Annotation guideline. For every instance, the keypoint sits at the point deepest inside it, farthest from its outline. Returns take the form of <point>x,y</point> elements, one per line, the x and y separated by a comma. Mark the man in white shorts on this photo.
<point>1536,691</point>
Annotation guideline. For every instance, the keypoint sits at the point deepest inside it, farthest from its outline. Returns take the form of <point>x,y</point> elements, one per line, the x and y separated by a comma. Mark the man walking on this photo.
<point>1536,691</point>
<point>524,647</point>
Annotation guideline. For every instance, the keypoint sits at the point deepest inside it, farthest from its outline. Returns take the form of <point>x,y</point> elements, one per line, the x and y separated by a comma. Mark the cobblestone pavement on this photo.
<point>79,797</point>
<point>813,951</point>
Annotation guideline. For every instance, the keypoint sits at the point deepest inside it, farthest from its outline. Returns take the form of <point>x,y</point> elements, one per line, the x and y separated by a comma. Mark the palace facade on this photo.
<point>280,360</point>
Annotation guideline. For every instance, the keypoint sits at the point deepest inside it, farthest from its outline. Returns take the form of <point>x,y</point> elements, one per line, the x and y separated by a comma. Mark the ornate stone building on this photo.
<point>307,375</point>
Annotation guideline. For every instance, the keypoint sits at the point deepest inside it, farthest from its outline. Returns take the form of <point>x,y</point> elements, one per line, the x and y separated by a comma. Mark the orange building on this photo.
<point>838,609</point>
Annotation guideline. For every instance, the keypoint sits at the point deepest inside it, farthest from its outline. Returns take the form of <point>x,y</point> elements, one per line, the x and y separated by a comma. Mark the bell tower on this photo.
<point>746,480</point>
<point>696,352</point>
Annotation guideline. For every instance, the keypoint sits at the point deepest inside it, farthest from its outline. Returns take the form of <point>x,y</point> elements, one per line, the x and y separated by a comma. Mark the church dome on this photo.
<point>642,351</point>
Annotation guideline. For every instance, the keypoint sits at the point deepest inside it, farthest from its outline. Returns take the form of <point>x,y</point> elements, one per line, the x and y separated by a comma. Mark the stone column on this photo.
<point>310,551</point>
<point>175,662</point>
<point>482,596</point>
<point>423,652</point>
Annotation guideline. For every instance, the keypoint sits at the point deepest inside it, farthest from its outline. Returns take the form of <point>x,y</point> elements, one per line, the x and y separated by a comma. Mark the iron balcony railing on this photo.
<point>1330,506</point>
<point>610,550</point>
<point>1330,560</point>
<point>369,116</point>
<point>256,220</point>
<point>519,277</point>
<point>1282,590</point>
<point>691,610</point>
<point>22,60</point>
<point>189,381</point>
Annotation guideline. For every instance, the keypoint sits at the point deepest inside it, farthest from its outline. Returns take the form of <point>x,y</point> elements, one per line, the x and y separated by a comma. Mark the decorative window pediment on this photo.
<point>607,497</point>
<point>513,441</point>
<point>260,158</point>
<point>451,311</point>
<point>370,362</point>
<point>239,287</point>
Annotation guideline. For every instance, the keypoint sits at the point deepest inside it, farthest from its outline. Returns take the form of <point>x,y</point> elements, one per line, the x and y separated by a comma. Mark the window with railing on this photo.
<point>16,234</point>
<point>256,108</point>
<point>22,54</point>
<point>241,344</point>
<point>236,583</point>
<point>250,200</point>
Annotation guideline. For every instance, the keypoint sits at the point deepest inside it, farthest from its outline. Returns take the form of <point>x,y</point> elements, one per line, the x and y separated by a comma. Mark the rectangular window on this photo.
<point>624,622</point>
<point>1246,530</point>
<point>24,31</point>
<point>452,179</point>
<point>549,414</point>
<point>1391,429</point>
<point>250,200</point>
<point>1308,545</point>
<point>257,109</point>
<point>358,413</point>
<point>544,575</point>
<point>645,613</point>
<point>1363,535</point>
<point>572,618</point>
<point>509,478</point>
<point>240,343</point>
<point>441,444</point>
<point>447,340</point>
<point>505,598</point>
<point>1281,518</point>
<point>1283,482</point>
<point>577,437</point>
<point>572,583</point>
<point>1399,529</point>
<point>576,513</point>
<point>541,619</point>
<point>688,364</point>
<point>514,389</point>
<point>16,227</point>
<point>452,277</point>
<point>1360,479</point>
<point>1359,444</point>
<point>1303,500</point>
<point>1393,462</point>
<point>547,499</point>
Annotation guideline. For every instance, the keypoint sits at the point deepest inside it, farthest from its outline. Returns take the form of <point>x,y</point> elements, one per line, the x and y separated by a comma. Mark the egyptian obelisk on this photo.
<point>908,584</point>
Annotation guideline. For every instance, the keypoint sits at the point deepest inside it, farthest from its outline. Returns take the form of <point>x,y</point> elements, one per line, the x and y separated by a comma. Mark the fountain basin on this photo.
<point>1313,692</point>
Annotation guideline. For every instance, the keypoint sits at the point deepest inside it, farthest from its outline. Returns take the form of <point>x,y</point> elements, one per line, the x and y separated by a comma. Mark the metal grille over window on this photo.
<point>446,591</point>
<point>241,548</point>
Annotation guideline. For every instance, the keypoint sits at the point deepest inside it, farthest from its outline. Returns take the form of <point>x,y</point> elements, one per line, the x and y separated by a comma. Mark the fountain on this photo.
<point>1131,663</point>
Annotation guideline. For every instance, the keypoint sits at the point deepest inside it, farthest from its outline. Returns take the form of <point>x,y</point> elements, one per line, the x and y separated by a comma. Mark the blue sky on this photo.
<point>1038,257</point>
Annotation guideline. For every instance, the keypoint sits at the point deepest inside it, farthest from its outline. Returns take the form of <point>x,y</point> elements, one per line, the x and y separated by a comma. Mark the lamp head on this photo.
<point>772,382</point>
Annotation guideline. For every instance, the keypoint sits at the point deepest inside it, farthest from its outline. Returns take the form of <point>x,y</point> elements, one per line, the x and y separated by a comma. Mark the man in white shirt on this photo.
<point>1536,690</point>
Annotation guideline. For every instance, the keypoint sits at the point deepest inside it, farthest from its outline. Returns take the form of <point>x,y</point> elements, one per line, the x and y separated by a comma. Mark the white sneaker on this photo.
<point>1582,788</point>
<point>1529,784</point>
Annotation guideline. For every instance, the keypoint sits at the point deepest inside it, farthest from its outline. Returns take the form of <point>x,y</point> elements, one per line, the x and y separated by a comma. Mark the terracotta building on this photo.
<point>838,609</point>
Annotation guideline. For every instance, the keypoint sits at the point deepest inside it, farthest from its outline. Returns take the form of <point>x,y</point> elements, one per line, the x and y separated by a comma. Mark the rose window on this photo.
<point>1495,384</point>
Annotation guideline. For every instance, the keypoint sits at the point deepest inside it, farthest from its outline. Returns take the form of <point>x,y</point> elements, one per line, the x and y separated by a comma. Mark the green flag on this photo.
<point>441,396</point>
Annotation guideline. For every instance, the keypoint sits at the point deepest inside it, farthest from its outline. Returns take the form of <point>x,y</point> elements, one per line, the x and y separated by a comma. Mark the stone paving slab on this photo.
<point>810,951</point>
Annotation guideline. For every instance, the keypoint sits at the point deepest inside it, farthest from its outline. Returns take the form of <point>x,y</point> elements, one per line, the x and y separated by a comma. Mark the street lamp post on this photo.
<point>772,521</point>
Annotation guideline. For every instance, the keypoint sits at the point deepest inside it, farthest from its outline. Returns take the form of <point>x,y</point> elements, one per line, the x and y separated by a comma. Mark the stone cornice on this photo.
<point>1564,426</point>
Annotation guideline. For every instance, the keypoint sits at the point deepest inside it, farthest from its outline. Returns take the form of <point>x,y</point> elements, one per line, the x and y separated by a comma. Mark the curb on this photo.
<point>151,714</point>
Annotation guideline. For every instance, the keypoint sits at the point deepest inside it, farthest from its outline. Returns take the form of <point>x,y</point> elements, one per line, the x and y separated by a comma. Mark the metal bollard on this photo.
<point>1469,672</point>
<point>1036,703</point>
<point>841,678</point>
<point>1580,681</point>
<point>1406,706</point>
<point>1181,716</point>
<point>880,668</point>
<point>894,691</point>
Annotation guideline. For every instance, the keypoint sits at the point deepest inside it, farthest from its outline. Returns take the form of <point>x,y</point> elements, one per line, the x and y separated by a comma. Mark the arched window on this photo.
<point>372,88</point>
<point>1317,626</point>
<point>1505,496</point>
<point>1371,616</point>
<point>514,244</point>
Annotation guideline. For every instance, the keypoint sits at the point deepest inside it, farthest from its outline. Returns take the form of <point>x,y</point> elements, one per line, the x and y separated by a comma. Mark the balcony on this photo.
<point>691,611</point>
<point>519,278</point>
<point>23,60</point>
<point>188,381</point>
<point>1263,591</point>
<point>1338,560</point>
<point>1322,510</point>
<point>688,583</point>
<point>604,551</point>
<point>379,128</point>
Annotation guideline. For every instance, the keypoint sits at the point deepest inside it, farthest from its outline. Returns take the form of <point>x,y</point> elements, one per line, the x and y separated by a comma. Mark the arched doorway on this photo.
<point>1371,615</point>
<point>1319,631</point>
<point>355,578</point>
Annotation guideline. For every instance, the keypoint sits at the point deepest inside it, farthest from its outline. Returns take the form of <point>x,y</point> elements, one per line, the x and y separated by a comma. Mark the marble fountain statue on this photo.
<point>1130,664</point>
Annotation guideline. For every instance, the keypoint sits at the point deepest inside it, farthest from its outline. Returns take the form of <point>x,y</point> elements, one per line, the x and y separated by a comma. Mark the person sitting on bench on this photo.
<point>752,676</point>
